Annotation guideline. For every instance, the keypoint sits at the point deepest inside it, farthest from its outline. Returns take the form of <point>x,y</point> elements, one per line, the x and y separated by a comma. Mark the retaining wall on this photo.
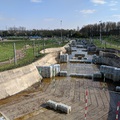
<point>17,80</point>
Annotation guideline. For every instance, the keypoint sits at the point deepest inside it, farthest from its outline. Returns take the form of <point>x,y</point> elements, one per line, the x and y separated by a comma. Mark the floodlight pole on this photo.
<point>100,31</point>
<point>61,29</point>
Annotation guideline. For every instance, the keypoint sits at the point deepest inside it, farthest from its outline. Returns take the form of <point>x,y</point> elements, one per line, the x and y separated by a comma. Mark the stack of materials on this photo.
<point>110,72</point>
<point>64,58</point>
<point>63,73</point>
<point>56,69</point>
<point>58,106</point>
<point>46,71</point>
<point>107,71</point>
<point>49,71</point>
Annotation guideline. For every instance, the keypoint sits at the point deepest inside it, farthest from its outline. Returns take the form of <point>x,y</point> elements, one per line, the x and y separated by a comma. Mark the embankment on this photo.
<point>17,80</point>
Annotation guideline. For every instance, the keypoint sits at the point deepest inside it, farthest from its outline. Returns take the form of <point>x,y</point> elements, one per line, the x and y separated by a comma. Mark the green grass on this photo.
<point>31,54</point>
<point>108,42</point>
<point>6,51</point>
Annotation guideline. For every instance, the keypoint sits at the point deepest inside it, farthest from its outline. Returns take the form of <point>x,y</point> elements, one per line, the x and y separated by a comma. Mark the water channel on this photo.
<point>30,104</point>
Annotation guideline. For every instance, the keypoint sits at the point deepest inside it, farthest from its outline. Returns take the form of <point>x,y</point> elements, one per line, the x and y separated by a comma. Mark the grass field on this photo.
<point>31,49</point>
<point>108,42</point>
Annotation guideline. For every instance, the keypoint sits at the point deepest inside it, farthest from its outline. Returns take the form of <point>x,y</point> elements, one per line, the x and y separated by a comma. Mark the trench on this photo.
<point>30,104</point>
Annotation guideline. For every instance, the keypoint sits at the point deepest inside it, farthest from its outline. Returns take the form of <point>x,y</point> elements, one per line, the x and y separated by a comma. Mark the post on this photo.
<point>117,111</point>
<point>61,29</point>
<point>38,47</point>
<point>43,46</point>
<point>14,50</point>
<point>34,48</point>
<point>86,103</point>
<point>100,32</point>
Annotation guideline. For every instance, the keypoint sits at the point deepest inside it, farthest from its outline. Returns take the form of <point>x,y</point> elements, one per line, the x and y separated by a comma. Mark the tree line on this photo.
<point>90,30</point>
<point>21,31</point>
<point>106,28</point>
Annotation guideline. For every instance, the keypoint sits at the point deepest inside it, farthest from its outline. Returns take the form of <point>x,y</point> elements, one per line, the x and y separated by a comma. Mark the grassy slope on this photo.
<point>108,42</point>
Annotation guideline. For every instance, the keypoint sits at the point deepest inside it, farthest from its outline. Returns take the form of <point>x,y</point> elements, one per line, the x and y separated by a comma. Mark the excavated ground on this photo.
<point>30,104</point>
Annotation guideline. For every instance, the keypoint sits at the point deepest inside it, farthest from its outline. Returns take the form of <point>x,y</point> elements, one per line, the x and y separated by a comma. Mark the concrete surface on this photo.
<point>17,80</point>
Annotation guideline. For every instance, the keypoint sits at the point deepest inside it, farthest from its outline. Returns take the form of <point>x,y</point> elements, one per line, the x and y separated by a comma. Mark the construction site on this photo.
<point>80,77</point>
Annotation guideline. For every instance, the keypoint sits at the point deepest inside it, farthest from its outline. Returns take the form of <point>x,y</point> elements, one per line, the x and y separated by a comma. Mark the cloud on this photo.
<point>36,1</point>
<point>98,1</point>
<point>89,11</point>
<point>113,3</point>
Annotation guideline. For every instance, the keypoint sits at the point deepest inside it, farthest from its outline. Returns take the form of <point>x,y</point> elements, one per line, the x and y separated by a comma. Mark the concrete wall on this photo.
<point>17,80</point>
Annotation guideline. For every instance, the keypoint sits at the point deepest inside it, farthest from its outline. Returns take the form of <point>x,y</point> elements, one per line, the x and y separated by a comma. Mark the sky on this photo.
<point>57,14</point>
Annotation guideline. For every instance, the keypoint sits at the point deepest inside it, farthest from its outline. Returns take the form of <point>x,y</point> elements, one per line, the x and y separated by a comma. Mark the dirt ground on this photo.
<point>52,50</point>
<point>30,104</point>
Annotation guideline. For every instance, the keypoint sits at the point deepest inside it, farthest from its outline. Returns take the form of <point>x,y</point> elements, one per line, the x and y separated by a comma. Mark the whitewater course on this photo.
<point>75,82</point>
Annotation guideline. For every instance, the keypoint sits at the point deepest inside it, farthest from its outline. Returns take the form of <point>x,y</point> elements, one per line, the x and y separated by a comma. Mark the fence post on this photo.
<point>14,50</point>
<point>34,48</point>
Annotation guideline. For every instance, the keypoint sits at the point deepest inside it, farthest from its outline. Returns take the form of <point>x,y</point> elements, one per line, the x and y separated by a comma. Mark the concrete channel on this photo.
<point>30,104</point>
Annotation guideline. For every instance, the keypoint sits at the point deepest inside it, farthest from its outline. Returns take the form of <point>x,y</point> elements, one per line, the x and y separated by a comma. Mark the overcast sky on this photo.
<point>47,14</point>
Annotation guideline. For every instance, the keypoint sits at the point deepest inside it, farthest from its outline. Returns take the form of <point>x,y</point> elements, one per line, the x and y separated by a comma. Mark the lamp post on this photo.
<point>100,31</point>
<point>61,29</point>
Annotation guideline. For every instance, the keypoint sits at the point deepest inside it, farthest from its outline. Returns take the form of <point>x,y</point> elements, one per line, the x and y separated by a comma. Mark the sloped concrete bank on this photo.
<point>17,80</point>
